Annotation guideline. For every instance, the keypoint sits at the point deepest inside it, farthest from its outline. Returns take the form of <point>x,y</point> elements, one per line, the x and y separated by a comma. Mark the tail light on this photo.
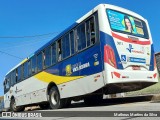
<point>155,75</point>
<point>109,56</point>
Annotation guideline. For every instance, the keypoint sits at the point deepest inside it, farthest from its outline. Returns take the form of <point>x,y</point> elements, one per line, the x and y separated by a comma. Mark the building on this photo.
<point>158,61</point>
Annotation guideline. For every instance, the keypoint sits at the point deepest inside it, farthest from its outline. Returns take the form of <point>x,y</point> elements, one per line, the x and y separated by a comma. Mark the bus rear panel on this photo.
<point>129,59</point>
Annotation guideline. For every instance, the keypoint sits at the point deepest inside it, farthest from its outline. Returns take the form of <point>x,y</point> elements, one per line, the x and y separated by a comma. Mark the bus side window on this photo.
<point>33,65</point>
<point>14,77</point>
<point>54,53</point>
<point>39,62</point>
<point>90,31</point>
<point>92,28</point>
<point>25,70</point>
<point>8,82</point>
<point>19,73</point>
<point>72,42</point>
<point>29,68</point>
<point>47,57</point>
<point>65,46</point>
<point>81,37</point>
<point>59,50</point>
<point>11,78</point>
<point>22,73</point>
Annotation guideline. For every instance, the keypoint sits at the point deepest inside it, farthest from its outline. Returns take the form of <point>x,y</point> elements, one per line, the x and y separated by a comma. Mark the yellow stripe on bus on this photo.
<point>47,77</point>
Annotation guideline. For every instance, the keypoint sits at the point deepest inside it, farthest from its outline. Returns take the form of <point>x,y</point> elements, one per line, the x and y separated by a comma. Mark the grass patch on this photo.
<point>154,89</point>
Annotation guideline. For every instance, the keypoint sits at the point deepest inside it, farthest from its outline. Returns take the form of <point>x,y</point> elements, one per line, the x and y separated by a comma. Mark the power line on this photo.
<point>31,36</point>
<point>23,37</point>
<point>11,55</point>
<point>24,44</point>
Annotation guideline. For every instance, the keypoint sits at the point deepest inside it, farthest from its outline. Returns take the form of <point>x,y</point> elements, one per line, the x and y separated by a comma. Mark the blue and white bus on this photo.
<point>109,50</point>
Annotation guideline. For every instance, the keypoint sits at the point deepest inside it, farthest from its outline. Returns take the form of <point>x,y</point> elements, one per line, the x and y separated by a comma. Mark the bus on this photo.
<point>107,51</point>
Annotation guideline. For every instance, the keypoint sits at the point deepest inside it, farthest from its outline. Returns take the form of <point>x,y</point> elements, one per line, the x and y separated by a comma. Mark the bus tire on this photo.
<point>54,99</point>
<point>15,108</point>
<point>93,100</point>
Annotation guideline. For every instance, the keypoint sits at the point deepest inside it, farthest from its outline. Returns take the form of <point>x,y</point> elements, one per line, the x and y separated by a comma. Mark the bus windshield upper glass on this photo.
<point>121,22</point>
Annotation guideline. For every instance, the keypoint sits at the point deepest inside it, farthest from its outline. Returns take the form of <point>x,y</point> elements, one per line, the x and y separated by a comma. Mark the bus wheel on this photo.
<point>15,108</point>
<point>93,99</point>
<point>54,99</point>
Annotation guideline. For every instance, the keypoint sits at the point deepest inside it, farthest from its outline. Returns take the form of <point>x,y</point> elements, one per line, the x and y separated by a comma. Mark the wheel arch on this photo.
<point>50,85</point>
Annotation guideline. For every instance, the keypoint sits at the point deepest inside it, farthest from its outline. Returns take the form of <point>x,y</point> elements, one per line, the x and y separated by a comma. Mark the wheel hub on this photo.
<point>54,98</point>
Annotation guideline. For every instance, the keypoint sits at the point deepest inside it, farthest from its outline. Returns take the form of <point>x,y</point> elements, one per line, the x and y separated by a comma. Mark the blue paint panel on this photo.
<point>59,68</point>
<point>108,40</point>
<point>91,56</point>
<point>151,68</point>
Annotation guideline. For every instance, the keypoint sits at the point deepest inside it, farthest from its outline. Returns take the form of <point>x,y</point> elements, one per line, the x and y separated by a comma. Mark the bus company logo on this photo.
<point>132,50</point>
<point>68,70</point>
<point>75,68</point>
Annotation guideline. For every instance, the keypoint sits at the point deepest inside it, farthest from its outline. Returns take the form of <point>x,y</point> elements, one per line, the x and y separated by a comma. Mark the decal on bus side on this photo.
<point>80,67</point>
<point>96,60</point>
<point>68,70</point>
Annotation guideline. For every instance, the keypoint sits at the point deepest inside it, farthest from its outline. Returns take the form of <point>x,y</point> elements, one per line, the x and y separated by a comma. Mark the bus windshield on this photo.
<point>124,23</point>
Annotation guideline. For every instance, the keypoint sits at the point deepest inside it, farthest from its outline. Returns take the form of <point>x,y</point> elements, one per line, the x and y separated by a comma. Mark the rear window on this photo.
<point>124,23</point>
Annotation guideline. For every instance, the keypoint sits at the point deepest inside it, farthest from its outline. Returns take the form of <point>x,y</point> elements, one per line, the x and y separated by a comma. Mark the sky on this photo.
<point>20,18</point>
